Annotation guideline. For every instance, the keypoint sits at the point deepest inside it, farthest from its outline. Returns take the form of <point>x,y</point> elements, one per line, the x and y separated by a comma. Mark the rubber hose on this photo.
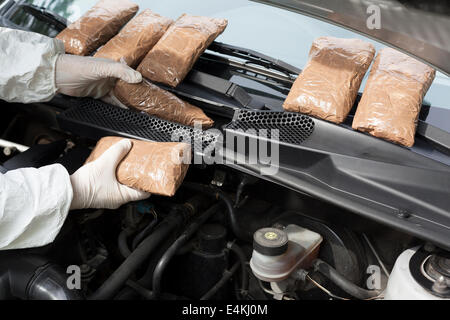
<point>226,276</point>
<point>243,261</point>
<point>31,277</point>
<point>215,192</point>
<point>144,233</point>
<point>190,208</point>
<point>177,245</point>
<point>346,285</point>
<point>110,287</point>
<point>122,243</point>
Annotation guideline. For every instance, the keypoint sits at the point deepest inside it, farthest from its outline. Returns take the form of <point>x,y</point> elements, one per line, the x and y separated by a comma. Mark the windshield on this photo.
<point>275,32</point>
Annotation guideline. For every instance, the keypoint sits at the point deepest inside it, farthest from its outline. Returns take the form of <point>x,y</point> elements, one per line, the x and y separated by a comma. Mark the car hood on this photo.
<point>418,28</point>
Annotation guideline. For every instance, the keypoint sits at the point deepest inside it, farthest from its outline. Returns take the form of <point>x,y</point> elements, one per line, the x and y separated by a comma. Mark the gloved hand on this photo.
<point>80,76</point>
<point>95,184</point>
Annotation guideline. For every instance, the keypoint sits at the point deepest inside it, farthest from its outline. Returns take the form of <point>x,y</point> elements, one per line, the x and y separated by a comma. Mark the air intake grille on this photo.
<point>94,119</point>
<point>292,127</point>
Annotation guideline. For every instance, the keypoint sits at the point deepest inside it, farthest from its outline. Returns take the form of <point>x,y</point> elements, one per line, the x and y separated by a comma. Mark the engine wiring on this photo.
<point>375,253</point>
<point>318,285</point>
<point>273,293</point>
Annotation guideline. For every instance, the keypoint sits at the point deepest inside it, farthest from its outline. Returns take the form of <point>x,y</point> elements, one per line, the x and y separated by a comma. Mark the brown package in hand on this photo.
<point>328,86</point>
<point>97,26</point>
<point>154,167</point>
<point>135,40</point>
<point>158,102</point>
<point>173,56</point>
<point>391,102</point>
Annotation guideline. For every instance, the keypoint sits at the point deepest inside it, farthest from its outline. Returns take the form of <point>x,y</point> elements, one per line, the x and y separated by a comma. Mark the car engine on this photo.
<point>225,235</point>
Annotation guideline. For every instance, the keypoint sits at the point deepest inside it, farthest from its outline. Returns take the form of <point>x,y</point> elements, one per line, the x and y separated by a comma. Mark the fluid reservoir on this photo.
<point>419,275</point>
<point>277,253</point>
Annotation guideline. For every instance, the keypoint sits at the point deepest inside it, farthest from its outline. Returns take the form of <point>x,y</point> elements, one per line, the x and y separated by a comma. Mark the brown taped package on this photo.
<point>391,102</point>
<point>153,100</point>
<point>328,86</point>
<point>135,40</point>
<point>97,26</point>
<point>154,167</point>
<point>173,56</point>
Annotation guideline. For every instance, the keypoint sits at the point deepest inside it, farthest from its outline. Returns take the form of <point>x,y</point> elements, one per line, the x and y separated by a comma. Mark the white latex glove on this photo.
<point>80,76</point>
<point>95,184</point>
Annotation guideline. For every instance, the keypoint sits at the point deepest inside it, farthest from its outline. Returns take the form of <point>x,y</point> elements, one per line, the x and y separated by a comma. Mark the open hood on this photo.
<point>417,27</point>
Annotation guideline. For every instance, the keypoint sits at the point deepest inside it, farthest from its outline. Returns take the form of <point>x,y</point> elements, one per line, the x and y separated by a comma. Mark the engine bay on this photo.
<point>322,213</point>
<point>202,243</point>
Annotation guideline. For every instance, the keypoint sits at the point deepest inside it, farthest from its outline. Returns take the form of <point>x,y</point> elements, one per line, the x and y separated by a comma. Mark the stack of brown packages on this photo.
<point>153,100</point>
<point>328,86</point>
<point>97,26</point>
<point>135,40</point>
<point>154,167</point>
<point>391,102</point>
<point>173,56</point>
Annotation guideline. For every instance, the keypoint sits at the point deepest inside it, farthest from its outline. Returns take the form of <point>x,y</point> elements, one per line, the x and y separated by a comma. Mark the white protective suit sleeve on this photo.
<point>33,205</point>
<point>33,202</point>
<point>27,66</point>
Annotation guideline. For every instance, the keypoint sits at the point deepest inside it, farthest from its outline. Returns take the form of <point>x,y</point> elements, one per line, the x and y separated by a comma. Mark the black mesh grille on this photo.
<point>292,127</point>
<point>98,118</point>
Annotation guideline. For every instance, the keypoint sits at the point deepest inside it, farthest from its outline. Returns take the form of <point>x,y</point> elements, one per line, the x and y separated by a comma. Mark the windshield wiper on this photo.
<point>254,57</point>
<point>41,13</point>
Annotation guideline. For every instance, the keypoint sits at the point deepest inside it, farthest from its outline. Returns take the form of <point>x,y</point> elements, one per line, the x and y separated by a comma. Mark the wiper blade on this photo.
<point>43,14</point>
<point>254,57</point>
